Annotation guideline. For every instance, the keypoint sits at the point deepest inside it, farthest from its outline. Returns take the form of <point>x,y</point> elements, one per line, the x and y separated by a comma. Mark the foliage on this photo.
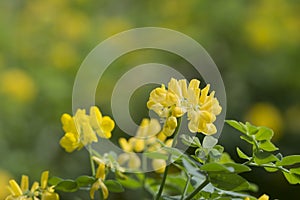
<point>206,173</point>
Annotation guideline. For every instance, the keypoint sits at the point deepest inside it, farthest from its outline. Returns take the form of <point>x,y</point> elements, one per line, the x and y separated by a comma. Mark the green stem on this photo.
<point>168,161</point>
<point>91,160</point>
<point>185,187</point>
<point>144,167</point>
<point>198,189</point>
<point>270,166</point>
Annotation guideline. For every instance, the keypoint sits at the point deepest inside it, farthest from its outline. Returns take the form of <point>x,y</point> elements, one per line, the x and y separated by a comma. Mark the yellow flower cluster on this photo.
<point>99,184</point>
<point>82,129</point>
<point>145,140</point>
<point>200,106</point>
<point>22,191</point>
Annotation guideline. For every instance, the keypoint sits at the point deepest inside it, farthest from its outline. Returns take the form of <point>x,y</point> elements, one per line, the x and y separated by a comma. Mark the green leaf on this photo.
<point>247,138</point>
<point>190,141</point>
<point>67,186</point>
<point>270,169</point>
<point>114,186</point>
<point>238,168</point>
<point>251,129</point>
<point>267,145</point>
<point>289,160</point>
<point>130,183</point>
<point>263,157</point>
<point>228,181</point>
<point>242,154</point>
<point>54,180</point>
<point>209,142</point>
<point>264,133</point>
<point>191,169</point>
<point>85,180</point>
<point>237,125</point>
<point>295,171</point>
<point>214,167</point>
<point>292,178</point>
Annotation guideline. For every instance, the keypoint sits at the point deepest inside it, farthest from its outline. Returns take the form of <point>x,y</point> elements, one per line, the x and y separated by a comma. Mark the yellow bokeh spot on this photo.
<point>63,55</point>
<point>113,26</point>
<point>4,178</point>
<point>265,114</point>
<point>17,84</point>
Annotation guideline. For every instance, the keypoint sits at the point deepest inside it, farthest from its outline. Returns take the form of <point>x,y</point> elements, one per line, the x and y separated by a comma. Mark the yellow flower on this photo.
<point>100,176</point>
<point>264,197</point>
<point>22,192</point>
<point>201,107</point>
<point>82,129</point>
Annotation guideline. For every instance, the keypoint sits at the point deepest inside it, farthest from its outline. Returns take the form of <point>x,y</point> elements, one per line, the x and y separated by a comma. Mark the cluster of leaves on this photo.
<point>264,153</point>
<point>209,173</point>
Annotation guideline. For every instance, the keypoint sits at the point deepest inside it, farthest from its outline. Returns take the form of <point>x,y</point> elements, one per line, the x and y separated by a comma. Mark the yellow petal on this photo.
<point>68,123</point>
<point>134,161</point>
<point>24,183</point>
<point>101,171</point>
<point>104,190</point>
<point>15,188</point>
<point>264,197</point>
<point>177,111</point>
<point>125,145</point>
<point>95,117</point>
<point>171,122</point>
<point>159,165</point>
<point>204,93</point>
<point>70,142</point>
<point>34,187</point>
<point>94,188</point>
<point>123,158</point>
<point>49,196</point>
<point>107,124</point>
<point>139,145</point>
<point>161,136</point>
<point>89,135</point>
<point>44,179</point>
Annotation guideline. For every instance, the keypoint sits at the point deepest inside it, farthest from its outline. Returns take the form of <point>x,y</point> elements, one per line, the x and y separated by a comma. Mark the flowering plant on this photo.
<point>206,173</point>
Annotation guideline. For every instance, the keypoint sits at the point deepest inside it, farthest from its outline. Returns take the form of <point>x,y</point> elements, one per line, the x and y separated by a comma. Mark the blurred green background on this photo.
<point>255,44</point>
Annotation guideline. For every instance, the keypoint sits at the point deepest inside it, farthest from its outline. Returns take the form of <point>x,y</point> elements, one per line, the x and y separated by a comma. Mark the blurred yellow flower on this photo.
<point>82,129</point>
<point>266,114</point>
<point>146,131</point>
<point>22,191</point>
<point>113,25</point>
<point>159,165</point>
<point>272,24</point>
<point>63,55</point>
<point>17,84</point>
<point>145,140</point>
<point>4,178</point>
<point>73,25</point>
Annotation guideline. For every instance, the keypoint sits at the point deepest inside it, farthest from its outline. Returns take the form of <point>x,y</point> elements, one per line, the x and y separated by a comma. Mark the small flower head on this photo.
<point>82,129</point>
<point>22,192</point>
<point>180,98</point>
<point>99,184</point>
